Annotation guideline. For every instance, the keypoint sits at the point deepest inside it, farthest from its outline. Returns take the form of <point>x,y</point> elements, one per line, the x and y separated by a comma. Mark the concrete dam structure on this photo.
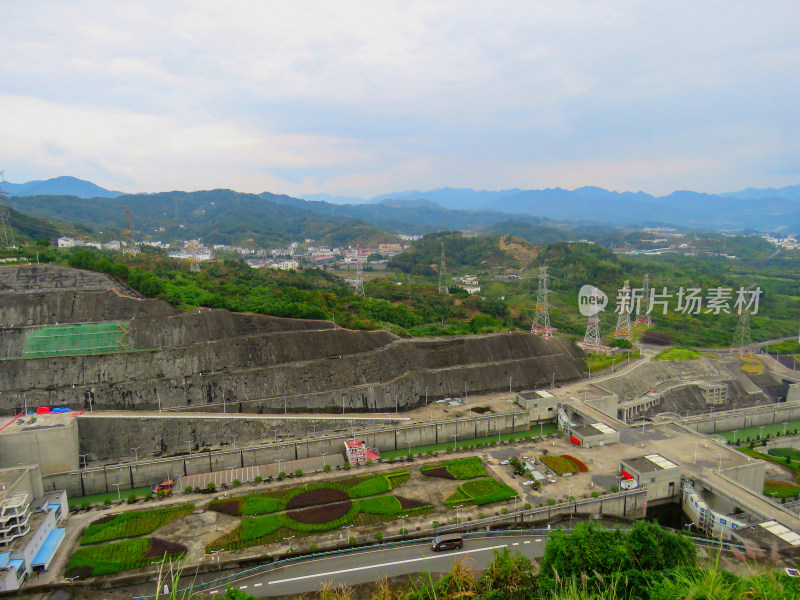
<point>215,361</point>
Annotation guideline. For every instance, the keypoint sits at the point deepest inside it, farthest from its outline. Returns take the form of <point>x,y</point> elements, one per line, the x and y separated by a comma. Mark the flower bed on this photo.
<point>323,518</point>
<point>321,514</point>
<point>577,462</point>
<point>226,507</point>
<point>323,495</point>
<point>132,524</point>
<point>559,465</point>
<point>437,472</point>
<point>410,503</point>
<point>462,468</point>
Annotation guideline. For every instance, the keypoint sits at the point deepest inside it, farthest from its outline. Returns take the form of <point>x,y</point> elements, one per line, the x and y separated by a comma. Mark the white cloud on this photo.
<point>367,97</point>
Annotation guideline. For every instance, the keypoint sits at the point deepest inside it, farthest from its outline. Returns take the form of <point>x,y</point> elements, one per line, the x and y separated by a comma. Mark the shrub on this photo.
<point>503,511</point>
<point>352,540</point>
<point>258,479</point>
<point>614,489</point>
<point>595,494</point>
<point>435,524</point>
<point>188,489</point>
<point>131,498</point>
<point>298,473</point>
<point>236,483</point>
<point>281,476</point>
<point>86,505</point>
<point>327,468</point>
<point>527,506</point>
<point>551,501</point>
<point>211,487</point>
<point>107,501</point>
<point>379,536</point>
<point>313,547</point>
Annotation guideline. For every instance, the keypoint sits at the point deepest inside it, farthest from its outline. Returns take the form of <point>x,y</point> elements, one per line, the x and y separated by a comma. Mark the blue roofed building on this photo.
<point>30,519</point>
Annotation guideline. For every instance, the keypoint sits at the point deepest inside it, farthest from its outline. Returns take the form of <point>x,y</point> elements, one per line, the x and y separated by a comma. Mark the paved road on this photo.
<point>372,565</point>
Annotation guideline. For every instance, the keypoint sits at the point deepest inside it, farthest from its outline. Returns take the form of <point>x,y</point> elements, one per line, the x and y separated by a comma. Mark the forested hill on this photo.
<point>216,216</point>
<point>483,253</point>
<point>25,228</point>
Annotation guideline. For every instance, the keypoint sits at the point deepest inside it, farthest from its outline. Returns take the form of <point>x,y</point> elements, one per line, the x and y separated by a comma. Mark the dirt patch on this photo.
<point>315,497</point>
<point>482,409</point>
<point>440,472</point>
<point>103,520</point>
<point>82,572</point>
<point>320,514</point>
<point>411,503</point>
<point>159,548</point>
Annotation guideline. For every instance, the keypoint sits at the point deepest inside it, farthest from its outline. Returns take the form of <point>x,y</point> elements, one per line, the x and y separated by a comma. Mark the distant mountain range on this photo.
<point>59,186</point>
<point>415,212</point>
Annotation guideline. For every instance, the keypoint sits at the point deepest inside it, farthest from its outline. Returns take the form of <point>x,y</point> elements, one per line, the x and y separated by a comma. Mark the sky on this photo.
<point>364,98</point>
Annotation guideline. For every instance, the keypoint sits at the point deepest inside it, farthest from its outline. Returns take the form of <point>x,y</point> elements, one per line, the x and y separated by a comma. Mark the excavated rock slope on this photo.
<point>203,359</point>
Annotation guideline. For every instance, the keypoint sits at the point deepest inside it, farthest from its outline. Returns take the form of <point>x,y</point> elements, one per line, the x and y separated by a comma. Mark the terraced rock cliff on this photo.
<point>204,359</point>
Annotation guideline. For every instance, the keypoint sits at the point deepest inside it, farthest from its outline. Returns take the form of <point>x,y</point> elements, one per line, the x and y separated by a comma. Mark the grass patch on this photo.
<point>480,491</point>
<point>597,361</point>
<point>677,354</point>
<point>559,465</point>
<point>753,432</point>
<point>121,556</point>
<point>462,468</point>
<point>781,489</point>
<point>254,528</point>
<point>388,506</point>
<point>778,461</point>
<point>792,453</point>
<point>546,429</point>
<point>259,505</point>
<point>132,524</point>
<point>784,348</point>
<point>101,498</point>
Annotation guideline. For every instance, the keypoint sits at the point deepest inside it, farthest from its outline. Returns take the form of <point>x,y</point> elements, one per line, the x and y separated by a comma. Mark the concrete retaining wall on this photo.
<point>103,438</point>
<point>742,419</point>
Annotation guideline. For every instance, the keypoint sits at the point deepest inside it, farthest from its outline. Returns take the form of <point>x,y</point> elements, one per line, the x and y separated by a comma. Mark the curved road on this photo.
<point>374,564</point>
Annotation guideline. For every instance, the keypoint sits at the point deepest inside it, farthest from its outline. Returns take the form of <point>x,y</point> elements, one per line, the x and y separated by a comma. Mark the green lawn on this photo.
<point>781,491</point>
<point>792,453</point>
<point>677,354</point>
<point>120,556</point>
<point>101,498</point>
<point>753,432</point>
<point>480,491</point>
<point>547,429</point>
<point>462,468</point>
<point>132,524</point>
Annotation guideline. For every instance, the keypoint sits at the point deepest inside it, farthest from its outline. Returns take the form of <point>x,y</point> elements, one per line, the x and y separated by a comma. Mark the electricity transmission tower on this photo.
<point>541,317</point>
<point>592,338</point>
<point>741,338</point>
<point>128,234</point>
<point>6,233</point>
<point>359,277</point>
<point>642,316</point>
<point>443,289</point>
<point>623,329</point>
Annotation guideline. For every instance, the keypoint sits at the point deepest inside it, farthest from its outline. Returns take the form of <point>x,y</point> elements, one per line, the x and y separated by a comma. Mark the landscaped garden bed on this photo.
<point>480,491</point>
<point>462,468</point>
<point>559,465</point>
<point>132,524</point>
<point>320,514</point>
<point>577,462</point>
<point>116,557</point>
<point>316,497</point>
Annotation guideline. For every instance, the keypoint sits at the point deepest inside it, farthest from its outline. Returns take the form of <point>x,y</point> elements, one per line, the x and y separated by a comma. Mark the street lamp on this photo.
<point>233,437</point>
<point>136,454</point>
<point>279,461</point>
<point>119,494</point>
<point>403,526</point>
<point>695,452</point>
<point>509,384</point>
<point>455,441</point>
<point>409,447</point>
<point>719,468</point>
<point>426,394</point>
<point>761,432</point>
<point>189,443</point>
<point>84,457</point>
<point>323,460</point>
<point>430,409</point>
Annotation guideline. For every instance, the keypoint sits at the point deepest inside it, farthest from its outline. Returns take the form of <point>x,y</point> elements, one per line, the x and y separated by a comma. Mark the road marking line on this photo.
<point>257,584</point>
<point>538,540</point>
<point>389,564</point>
<point>515,544</point>
<point>526,542</point>
<point>242,587</point>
